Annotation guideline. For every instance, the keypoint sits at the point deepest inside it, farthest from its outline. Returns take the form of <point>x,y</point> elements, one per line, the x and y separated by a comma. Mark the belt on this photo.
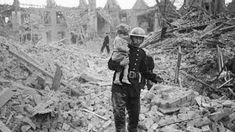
<point>135,75</point>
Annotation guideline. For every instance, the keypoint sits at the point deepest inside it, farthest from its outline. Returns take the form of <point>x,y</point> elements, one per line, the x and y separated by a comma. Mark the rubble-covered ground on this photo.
<point>82,102</point>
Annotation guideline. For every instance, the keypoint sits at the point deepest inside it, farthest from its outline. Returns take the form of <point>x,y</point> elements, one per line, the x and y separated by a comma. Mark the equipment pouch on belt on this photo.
<point>135,75</point>
<point>132,75</point>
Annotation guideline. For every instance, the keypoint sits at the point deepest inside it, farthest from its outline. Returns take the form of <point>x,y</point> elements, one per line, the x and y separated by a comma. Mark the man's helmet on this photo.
<point>123,29</point>
<point>138,32</point>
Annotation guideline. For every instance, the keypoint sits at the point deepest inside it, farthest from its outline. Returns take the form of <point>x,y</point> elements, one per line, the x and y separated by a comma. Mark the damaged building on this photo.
<point>40,23</point>
<point>213,7</point>
<point>33,23</point>
<point>49,24</point>
<point>139,15</point>
<point>231,7</point>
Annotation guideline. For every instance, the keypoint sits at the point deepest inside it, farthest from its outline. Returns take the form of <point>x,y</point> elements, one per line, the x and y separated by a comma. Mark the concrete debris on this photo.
<point>173,97</point>
<point>44,109</point>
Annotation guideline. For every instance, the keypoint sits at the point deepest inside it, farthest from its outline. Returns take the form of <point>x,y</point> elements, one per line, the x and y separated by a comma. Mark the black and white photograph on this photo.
<point>117,65</point>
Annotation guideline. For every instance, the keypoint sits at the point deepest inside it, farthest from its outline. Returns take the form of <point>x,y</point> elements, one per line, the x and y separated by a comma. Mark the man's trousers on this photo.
<point>123,99</point>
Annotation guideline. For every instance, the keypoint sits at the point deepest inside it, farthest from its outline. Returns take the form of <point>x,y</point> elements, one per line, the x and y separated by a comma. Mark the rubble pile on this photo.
<point>88,108</point>
<point>204,49</point>
<point>63,87</point>
<point>170,108</point>
<point>29,104</point>
<point>28,109</point>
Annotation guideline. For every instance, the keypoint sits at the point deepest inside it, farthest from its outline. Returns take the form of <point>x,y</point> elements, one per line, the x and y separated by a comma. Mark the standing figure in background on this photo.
<point>121,52</point>
<point>106,44</point>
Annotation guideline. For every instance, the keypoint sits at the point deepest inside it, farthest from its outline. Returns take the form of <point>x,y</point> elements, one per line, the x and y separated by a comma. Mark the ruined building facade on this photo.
<point>213,7</point>
<point>48,23</point>
<point>231,7</point>
<point>36,23</point>
<point>140,15</point>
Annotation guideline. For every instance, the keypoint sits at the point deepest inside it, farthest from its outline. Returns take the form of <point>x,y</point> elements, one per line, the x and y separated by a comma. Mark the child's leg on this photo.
<point>116,80</point>
<point>125,75</point>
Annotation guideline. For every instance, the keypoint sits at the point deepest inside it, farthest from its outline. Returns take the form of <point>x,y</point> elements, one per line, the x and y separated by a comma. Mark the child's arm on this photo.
<point>114,65</point>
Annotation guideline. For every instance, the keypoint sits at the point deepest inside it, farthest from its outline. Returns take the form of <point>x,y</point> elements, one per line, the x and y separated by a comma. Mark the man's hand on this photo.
<point>124,62</point>
<point>158,79</point>
<point>223,74</point>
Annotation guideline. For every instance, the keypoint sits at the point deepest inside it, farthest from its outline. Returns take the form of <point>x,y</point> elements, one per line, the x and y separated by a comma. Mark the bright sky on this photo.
<point>125,4</point>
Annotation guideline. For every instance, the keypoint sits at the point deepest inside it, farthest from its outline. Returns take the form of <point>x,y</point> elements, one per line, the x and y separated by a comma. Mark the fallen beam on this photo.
<point>57,78</point>
<point>225,83</point>
<point>227,28</point>
<point>196,79</point>
<point>37,67</point>
<point>156,36</point>
<point>178,65</point>
<point>211,31</point>
<point>101,117</point>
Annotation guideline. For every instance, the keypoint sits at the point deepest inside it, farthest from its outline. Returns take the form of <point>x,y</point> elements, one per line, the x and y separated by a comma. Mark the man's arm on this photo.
<point>148,74</point>
<point>150,63</point>
<point>113,65</point>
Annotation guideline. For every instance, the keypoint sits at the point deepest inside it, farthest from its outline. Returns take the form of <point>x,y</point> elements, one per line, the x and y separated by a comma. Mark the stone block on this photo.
<point>228,103</point>
<point>220,114</point>
<point>206,129</point>
<point>174,98</point>
<point>193,129</point>
<point>154,126</point>
<point>65,127</point>
<point>171,128</point>
<point>202,122</point>
<point>168,110</point>
<point>188,115</point>
<point>232,117</point>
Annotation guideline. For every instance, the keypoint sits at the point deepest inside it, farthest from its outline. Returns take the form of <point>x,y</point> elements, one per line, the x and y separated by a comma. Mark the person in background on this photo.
<point>106,44</point>
<point>127,96</point>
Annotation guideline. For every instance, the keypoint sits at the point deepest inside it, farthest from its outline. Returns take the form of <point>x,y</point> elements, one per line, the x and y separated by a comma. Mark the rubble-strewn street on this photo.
<point>53,77</point>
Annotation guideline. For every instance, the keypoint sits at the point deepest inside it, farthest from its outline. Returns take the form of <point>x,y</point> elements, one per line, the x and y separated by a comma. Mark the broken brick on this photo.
<point>206,129</point>
<point>168,110</point>
<point>175,98</point>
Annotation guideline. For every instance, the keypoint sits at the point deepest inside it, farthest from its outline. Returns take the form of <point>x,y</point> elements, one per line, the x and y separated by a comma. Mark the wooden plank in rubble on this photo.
<point>57,78</point>
<point>220,58</point>
<point>178,65</point>
<point>155,36</point>
<point>196,79</point>
<point>37,67</point>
